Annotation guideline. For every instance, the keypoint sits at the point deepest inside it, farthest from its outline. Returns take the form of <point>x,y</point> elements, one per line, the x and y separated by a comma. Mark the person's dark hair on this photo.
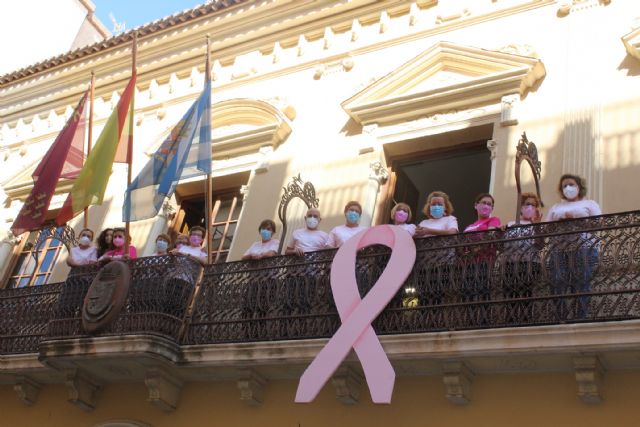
<point>267,223</point>
<point>103,246</point>
<point>198,228</point>
<point>352,204</point>
<point>482,196</point>
<point>582,185</point>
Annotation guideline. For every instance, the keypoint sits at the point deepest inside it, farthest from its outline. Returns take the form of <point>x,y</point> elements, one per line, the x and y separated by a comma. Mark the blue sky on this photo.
<point>138,12</point>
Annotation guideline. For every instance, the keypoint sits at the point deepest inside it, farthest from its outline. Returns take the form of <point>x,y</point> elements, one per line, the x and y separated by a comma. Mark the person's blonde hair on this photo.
<point>448,206</point>
<point>399,206</point>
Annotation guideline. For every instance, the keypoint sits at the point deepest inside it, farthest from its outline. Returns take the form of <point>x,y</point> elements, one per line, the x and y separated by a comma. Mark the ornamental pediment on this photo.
<point>19,186</point>
<point>632,43</point>
<point>445,77</point>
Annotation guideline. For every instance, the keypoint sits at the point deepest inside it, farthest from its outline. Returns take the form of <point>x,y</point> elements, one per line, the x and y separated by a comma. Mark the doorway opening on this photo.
<point>462,171</point>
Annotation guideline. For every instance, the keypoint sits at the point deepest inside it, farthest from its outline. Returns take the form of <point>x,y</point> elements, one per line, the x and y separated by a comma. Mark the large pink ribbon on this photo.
<point>357,314</point>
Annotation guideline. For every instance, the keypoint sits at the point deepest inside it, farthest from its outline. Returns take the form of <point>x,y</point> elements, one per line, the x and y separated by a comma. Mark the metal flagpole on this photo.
<point>134,53</point>
<point>208,185</point>
<point>90,136</point>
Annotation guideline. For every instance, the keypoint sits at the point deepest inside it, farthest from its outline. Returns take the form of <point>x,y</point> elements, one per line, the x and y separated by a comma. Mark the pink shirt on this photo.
<point>448,222</point>
<point>117,253</point>
<point>341,234</point>
<point>259,248</point>
<point>578,209</point>
<point>308,240</point>
<point>483,224</point>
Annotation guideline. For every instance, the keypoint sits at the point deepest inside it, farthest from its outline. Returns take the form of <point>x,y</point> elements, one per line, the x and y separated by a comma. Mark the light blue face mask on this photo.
<point>353,217</point>
<point>162,245</point>
<point>437,211</point>
<point>266,234</point>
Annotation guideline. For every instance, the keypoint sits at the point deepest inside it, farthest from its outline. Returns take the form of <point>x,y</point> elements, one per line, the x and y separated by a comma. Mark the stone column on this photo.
<point>378,176</point>
<point>7,243</point>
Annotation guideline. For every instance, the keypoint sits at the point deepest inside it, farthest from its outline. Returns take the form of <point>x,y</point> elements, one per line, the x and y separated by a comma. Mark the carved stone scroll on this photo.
<point>296,189</point>
<point>527,151</point>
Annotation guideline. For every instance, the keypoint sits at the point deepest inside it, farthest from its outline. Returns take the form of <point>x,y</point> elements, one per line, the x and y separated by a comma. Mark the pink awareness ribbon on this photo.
<point>357,314</point>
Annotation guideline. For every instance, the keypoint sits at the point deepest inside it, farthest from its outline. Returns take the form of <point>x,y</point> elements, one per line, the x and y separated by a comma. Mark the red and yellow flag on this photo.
<point>64,159</point>
<point>92,182</point>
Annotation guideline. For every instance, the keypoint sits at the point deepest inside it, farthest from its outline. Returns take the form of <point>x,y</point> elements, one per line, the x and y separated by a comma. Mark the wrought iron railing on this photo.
<point>572,271</point>
<point>581,270</point>
<point>160,292</point>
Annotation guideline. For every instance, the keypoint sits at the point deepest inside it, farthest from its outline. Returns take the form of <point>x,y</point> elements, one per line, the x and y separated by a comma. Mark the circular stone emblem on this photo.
<point>106,296</point>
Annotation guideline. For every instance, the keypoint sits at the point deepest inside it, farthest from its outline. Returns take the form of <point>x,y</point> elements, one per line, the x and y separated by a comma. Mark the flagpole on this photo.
<point>208,186</point>
<point>90,136</point>
<point>134,53</point>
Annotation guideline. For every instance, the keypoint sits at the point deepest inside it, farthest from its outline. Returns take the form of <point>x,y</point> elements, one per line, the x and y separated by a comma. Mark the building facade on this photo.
<point>375,101</point>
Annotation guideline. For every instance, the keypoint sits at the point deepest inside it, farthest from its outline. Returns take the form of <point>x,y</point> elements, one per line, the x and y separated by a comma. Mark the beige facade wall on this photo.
<point>581,112</point>
<point>522,399</point>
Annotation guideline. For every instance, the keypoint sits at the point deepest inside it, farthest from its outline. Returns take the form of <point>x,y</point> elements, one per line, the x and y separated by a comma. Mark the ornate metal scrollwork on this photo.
<point>63,233</point>
<point>527,151</point>
<point>296,189</point>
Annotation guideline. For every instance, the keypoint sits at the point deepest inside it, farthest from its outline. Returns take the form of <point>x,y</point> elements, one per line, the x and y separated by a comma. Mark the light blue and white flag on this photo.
<point>186,152</point>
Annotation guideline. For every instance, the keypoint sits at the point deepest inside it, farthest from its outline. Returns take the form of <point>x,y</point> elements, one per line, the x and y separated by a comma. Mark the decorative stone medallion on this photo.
<point>106,296</point>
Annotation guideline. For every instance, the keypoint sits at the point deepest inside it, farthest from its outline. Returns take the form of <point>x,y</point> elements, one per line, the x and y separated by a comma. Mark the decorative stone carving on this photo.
<point>492,146</point>
<point>246,65</point>
<point>153,88</point>
<point>589,376</point>
<point>328,38</point>
<point>302,45</point>
<point>457,382</point>
<point>566,7</point>
<point>265,160</point>
<point>161,113</point>
<point>174,82</point>
<point>27,390</point>
<point>164,389</point>
<point>378,172</point>
<point>277,53</point>
<point>632,40</point>
<point>244,190</point>
<point>251,386</point>
<point>414,11</point>
<point>356,28</point>
<point>216,70</point>
<point>348,385</point>
<point>343,65</point>
<point>82,390</point>
<point>509,110</point>
<point>194,78</point>
<point>168,209</point>
<point>452,15</point>
<point>385,22</point>
<point>519,49</point>
<point>105,296</point>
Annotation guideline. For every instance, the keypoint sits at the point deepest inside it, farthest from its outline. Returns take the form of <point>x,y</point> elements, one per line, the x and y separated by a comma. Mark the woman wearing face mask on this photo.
<point>342,233</point>
<point>520,261</point>
<point>118,247</point>
<point>105,241</point>
<point>573,258</point>
<point>440,221</point>
<point>162,245</point>
<point>194,248</point>
<point>484,208</point>
<point>181,239</point>
<point>267,246</point>
<point>85,253</point>
<point>401,215</point>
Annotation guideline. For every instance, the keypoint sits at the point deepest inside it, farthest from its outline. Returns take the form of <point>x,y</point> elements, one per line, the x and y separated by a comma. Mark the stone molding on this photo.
<point>348,385</point>
<point>482,77</point>
<point>27,390</point>
<point>631,43</point>
<point>457,379</point>
<point>589,376</point>
<point>164,389</point>
<point>82,390</point>
<point>252,386</point>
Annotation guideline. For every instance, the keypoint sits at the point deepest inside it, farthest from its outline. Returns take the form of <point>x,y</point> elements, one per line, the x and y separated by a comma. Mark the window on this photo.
<point>226,209</point>
<point>25,271</point>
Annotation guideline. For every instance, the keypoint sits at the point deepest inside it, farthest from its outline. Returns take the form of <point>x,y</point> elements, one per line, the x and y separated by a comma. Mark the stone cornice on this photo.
<point>63,84</point>
<point>632,43</point>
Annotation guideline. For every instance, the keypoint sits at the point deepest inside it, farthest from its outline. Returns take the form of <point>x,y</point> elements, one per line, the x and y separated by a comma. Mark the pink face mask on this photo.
<point>484,210</point>
<point>195,240</point>
<point>528,212</point>
<point>401,216</point>
<point>118,242</point>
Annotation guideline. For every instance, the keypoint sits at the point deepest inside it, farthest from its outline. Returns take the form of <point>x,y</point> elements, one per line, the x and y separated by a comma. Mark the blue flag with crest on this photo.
<point>185,152</point>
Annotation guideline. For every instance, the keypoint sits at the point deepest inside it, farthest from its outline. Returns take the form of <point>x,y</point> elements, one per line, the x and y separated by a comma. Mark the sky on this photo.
<point>134,13</point>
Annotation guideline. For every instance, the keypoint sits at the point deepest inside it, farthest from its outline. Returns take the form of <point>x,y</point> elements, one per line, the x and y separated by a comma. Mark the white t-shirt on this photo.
<point>308,240</point>
<point>259,248</point>
<point>84,256</point>
<point>341,234</point>
<point>579,209</point>
<point>196,251</point>
<point>409,228</point>
<point>448,222</point>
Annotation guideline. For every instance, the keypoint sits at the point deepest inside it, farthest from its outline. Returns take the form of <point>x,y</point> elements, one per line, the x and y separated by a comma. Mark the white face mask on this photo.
<point>570,191</point>
<point>85,241</point>
<point>312,222</point>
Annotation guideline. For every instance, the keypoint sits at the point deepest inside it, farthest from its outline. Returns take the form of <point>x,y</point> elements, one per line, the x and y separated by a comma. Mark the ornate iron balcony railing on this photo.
<point>583,270</point>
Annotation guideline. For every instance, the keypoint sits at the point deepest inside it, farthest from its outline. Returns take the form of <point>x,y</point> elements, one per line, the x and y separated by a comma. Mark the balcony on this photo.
<point>485,300</point>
